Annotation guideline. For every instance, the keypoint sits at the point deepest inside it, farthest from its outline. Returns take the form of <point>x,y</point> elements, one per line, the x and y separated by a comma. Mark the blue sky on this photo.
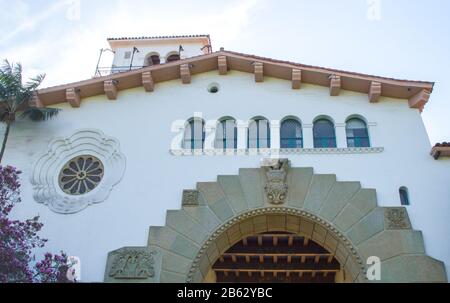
<point>394,38</point>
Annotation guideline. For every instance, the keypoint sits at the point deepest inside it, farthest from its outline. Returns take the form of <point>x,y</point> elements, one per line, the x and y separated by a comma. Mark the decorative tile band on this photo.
<point>273,151</point>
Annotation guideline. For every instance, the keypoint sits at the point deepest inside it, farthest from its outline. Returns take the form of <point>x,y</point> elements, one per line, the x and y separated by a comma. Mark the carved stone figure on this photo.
<point>276,187</point>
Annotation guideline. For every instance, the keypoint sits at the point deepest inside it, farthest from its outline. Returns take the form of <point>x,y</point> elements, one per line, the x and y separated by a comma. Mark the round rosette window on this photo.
<point>81,175</point>
<point>77,171</point>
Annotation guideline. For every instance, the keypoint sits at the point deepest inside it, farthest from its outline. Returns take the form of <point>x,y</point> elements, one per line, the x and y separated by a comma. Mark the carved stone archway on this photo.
<point>341,216</point>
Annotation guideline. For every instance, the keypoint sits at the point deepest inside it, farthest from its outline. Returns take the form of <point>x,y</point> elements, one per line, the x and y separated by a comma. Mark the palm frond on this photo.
<point>40,114</point>
<point>33,83</point>
<point>13,93</point>
<point>6,67</point>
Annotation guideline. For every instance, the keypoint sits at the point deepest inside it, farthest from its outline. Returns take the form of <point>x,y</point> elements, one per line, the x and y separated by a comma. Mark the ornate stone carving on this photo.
<point>276,187</point>
<point>86,142</point>
<point>397,218</point>
<point>132,263</point>
<point>190,198</point>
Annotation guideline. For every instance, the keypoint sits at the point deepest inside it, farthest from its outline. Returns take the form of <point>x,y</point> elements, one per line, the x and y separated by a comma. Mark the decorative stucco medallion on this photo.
<point>132,263</point>
<point>77,171</point>
<point>276,187</point>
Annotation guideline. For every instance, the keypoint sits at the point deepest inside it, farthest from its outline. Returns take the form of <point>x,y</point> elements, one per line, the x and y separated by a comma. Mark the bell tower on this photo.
<point>137,52</point>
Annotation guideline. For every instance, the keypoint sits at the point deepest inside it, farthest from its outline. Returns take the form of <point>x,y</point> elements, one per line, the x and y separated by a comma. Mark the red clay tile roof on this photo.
<point>158,37</point>
<point>404,89</point>
<point>443,144</point>
<point>320,67</point>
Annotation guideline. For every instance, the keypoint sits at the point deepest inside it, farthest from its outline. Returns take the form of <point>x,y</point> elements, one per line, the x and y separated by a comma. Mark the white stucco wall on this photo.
<point>154,179</point>
<point>164,49</point>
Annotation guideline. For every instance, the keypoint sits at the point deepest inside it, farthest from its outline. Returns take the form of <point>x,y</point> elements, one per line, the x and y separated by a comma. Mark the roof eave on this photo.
<point>403,89</point>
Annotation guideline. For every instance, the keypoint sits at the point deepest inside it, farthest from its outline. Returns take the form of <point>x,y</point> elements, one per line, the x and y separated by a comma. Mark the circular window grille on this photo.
<point>81,175</point>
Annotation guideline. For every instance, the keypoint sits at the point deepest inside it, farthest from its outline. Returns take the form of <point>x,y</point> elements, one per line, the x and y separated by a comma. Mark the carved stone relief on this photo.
<point>132,263</point>
<point>276,187</point>
<point>397,218</point>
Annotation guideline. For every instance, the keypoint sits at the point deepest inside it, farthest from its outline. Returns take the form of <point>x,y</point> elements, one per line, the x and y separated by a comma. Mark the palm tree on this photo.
<point>15,97</point>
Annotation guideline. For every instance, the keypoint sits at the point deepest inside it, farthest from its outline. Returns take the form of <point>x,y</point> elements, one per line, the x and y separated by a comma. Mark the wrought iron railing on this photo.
<point>105,71</point>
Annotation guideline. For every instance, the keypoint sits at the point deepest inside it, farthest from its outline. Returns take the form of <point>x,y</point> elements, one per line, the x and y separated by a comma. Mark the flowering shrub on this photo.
<point>19,238</point>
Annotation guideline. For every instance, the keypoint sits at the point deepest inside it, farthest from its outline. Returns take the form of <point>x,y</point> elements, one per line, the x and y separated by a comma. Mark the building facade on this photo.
<point>188,165</point>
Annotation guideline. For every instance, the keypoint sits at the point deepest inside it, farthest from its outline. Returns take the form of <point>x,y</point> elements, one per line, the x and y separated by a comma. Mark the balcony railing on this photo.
<point>105,71</point>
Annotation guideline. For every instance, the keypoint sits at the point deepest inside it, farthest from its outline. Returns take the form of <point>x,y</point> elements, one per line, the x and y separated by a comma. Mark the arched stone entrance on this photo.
<point>277,257</point>
<point>340,216</point>
<point>279,219</point>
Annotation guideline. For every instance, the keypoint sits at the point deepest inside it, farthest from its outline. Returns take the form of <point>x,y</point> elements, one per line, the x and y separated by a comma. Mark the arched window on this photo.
<point>291,134</point>
<point>404,197</point>
<point>173,57</point>
<point>324,134</point>
<point>357,135</point>
<point>152,59</point>
<point>194,134</point>
<point>258,133</point>
<point>226,134</point>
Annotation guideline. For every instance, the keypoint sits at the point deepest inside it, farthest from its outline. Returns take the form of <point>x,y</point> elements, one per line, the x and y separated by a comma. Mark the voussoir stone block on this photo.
<point>231,185</point>
<point>212,252</point>
<point>365,200</point>
<point>222,243</point>
<point>276,222</point>
<point>171,277</point>
<point>247,227</point>
<point>359,206</point>
<point>197,277</point>
<point>175,263</point>
<point>171,240</point>
<point>330,243</point>
<point>370,225</point>
<point>185,225</point>
<point>337,198</point>
<point>413,269</point>
<point>306,227</point>
<point>341,253</point>
<point>251,182</point>
<point>292,224</point>
<point>234,234</point>
<point>391,243</point>
<point>205,216</point>
<point>260,224</point>
<point>215,197</point>
<point>351,268</point>
<point>318,192</point>
<point>204,266</point>
<point>319,234</point>
<point>298,180</point>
